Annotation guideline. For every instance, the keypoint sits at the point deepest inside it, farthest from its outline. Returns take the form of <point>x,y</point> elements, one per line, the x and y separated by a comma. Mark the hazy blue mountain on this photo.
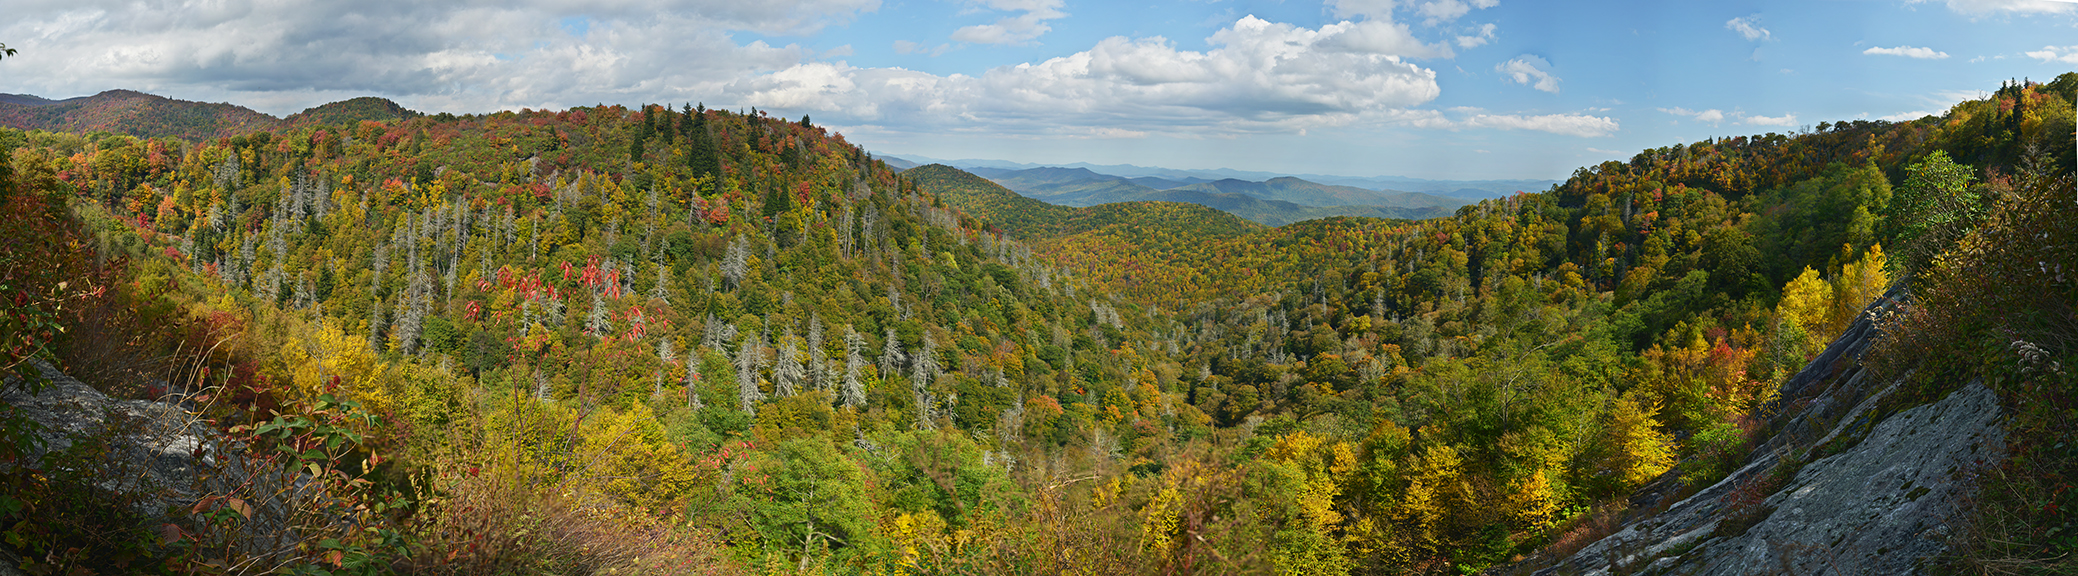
<point>1473,189</point>
<point>1274,202</point>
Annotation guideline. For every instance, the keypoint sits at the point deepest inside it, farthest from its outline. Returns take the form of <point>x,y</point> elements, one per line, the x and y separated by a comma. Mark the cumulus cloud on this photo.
<point>1748,27</point>
<point>2066,54</point>
<point>1017,29</point>
<point>1908,52</point>
<point>1259,76</point>
<point>438,55</point>
<point>1530,70</point>
<point>1983,7</point>
<point>1255,76</point>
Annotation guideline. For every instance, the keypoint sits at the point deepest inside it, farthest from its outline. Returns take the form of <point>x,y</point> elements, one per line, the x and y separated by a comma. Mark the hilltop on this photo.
<point>148,116</point>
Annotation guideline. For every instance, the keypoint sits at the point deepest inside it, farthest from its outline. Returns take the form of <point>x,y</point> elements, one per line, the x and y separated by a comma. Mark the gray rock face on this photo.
<point>1873,495</point>
<point>163,457</point>
<point>158,446</point>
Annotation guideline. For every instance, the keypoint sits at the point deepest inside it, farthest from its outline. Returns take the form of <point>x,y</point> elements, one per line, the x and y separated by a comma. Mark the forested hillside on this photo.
<point>687,340</point>
<point>148,116</point>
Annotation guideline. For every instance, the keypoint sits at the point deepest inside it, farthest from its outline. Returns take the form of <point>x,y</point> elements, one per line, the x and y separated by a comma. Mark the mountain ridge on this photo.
<point>145,115</point>
<point>1274,202</point>
<point>1462,188</point>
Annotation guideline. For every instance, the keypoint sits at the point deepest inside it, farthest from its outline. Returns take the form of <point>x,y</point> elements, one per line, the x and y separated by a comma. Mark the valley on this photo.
<point>674,339</point>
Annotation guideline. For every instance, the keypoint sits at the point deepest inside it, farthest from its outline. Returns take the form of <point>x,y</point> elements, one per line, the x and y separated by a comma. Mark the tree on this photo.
<point>922,370</point>
<point>789,375</point>
<point>749,356</point>
<point>1633,449</point>
<point>854,392</point>
<point>5,52</point>
<point>1860,282</point>
<point>891,356</point>
<point>1932,208</point>
<point>736,264</point>
<point>818,363</point>
<point>1807,302</point>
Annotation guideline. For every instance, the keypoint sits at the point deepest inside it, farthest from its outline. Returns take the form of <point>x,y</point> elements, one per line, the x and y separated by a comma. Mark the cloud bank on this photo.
<point>1253,76</point>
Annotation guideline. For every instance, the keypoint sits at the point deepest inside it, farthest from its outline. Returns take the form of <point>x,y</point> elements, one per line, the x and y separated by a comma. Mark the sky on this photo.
<point>1442,89</point>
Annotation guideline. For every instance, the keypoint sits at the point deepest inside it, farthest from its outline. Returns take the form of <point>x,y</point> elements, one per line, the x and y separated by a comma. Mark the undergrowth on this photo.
<point>1999,305</point>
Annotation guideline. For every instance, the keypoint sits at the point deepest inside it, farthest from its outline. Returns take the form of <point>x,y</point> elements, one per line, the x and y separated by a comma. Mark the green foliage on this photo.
<point>600,327</point>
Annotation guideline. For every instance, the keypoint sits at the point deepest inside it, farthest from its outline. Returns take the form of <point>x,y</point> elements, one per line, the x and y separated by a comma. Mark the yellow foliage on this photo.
<point>1314,469</point>
<point>324,352</point>
<point>624,453</point>
<point>1859,283</point>
<point>1640,452</point>
<point>1533,503</point>
<point>1807,301</point>
<point>1160,519</point>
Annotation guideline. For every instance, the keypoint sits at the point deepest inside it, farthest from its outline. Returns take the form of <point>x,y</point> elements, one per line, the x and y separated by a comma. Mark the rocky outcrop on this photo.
<point>1845,484</point>
<point>161,459</point>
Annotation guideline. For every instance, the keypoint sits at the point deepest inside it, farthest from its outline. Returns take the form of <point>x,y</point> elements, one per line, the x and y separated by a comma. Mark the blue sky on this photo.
<point>1458,89</point>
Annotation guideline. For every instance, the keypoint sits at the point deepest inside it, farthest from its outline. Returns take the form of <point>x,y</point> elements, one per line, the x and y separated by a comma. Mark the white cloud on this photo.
<point>464,57</point>
<point>1715,117</point>
<point>1531,71</point>
<point>1017,29</point>
<point>1260,76</point>
<point>1908,52</point>
<point>1256,76</point>
<point>1567,124</point>
<point>907,47</point>
<point>1435,12</point>
<point>1982,7</point>
<point>1373,9</point>
<point>1480,37</point>
<point>1748,27</point>
<point>1906,116</point>
<point>2066,54</point>
<point>1783,120</point>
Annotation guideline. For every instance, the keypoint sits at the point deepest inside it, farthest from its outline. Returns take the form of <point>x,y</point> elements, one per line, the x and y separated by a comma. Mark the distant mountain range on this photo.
<point>1274,201</point>
<point>148,116</point>
<point>1471,189</point>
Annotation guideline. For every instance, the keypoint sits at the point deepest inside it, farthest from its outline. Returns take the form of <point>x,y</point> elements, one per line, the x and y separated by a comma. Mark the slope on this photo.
<point>148,116</point>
